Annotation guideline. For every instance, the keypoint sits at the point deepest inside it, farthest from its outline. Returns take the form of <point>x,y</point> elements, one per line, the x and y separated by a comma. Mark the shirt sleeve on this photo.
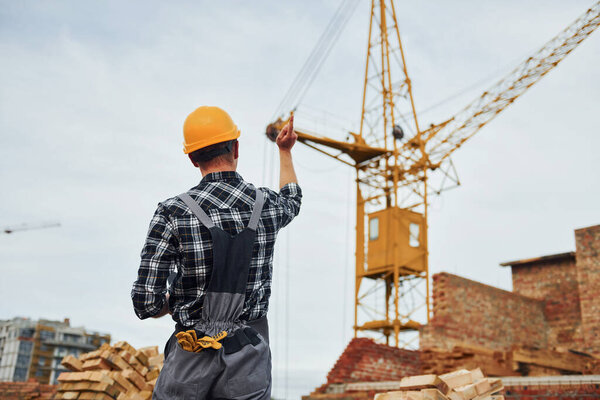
<point>287,203</point>
<point>159,258</point>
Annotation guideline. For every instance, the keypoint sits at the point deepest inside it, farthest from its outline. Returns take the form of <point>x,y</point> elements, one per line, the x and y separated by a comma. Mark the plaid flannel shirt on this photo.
<point>177,241</point>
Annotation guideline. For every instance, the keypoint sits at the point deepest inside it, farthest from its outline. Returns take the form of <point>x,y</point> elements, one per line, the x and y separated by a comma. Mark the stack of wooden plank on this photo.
<point>491,362</point>
<point>112,372</point>
<point>458,385</point>
<point>519,361</point>
<point>539,362</point>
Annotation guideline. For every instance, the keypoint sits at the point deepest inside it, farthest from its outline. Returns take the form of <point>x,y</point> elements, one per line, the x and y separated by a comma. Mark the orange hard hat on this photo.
<point>205,126</point>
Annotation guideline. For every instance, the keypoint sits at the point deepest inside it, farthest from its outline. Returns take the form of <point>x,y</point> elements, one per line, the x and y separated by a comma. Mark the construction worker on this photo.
<point>215,243</point>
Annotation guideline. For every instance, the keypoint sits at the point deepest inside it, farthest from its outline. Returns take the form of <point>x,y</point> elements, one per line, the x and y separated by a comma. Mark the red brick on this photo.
<point>588,276</point>
<point>482,315</point>
<point>364,360</point>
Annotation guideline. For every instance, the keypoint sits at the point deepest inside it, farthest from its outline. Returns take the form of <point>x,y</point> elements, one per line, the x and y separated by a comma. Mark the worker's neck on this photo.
<point>221,168</point>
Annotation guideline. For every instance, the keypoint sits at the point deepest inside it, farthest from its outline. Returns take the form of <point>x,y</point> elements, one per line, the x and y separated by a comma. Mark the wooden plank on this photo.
<point>424,382</point>
<point>65,376</point>
<point>67,395</point>
<point>551,359</point>
<point>91,355</point>
<point>100,376</point>
<point>433,394</point>
<point>72,363</point>
<point>483,386</point>
<point>146,394</point>
<point>149,351</point>
<point>476,374</point>
<point>94,396</point>
<point>458,378</point>
<point>121,380</point>
<point>466,392</point>
<point>143,357</point>
<point>400,395</point>
<point>152,374</point>
<point>95,364</point>
<point>156,360</point>
<point>122,345</point>
<point>467,348</point>
<point>114,360</point>
<point>133,362</point>
<point>109,389</point>
<point>136,379</point>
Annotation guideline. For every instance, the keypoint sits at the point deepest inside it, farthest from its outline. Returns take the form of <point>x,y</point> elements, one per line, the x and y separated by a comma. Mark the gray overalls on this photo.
<point>241,369</point>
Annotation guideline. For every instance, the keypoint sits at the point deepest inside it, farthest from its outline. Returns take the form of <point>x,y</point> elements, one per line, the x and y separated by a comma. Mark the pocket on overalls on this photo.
<point>175,379</point>
<point>248,370</point>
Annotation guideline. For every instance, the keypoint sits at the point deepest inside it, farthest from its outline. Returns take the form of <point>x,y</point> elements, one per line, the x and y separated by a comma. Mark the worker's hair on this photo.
<point>215,153</point>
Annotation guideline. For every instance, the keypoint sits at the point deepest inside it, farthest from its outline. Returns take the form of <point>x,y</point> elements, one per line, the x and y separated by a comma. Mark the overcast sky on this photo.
<point>93,99</point>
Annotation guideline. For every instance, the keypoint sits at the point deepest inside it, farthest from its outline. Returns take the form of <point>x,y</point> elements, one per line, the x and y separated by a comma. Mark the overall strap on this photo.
<point>207,222</point>
<point>197,210</point>
<point>257,210</point>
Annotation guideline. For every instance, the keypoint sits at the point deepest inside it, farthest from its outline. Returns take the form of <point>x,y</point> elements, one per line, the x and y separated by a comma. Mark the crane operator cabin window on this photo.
<point>413,231</point>
<point>373,228</point>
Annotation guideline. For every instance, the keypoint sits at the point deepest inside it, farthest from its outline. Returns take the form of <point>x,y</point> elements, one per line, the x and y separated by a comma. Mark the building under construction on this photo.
<point>547,330</point>
<point>31,349</point>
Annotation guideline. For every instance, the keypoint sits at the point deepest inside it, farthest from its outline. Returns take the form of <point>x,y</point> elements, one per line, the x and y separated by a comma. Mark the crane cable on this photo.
<point>317,57</point>
<point>290,101</point>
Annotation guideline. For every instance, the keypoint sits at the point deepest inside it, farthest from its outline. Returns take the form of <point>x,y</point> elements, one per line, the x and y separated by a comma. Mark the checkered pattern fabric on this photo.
<point>177,241</point>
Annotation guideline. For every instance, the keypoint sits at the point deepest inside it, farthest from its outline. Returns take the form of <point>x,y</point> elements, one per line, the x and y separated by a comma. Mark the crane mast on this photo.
<point>381,265</point>
<point>395,162</point>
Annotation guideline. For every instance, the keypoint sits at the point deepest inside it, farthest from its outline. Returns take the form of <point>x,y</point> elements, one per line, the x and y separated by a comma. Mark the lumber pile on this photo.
<point>112,372</point>
<point>519,361</point>
<point>458,385</point>
<point>492,363</point>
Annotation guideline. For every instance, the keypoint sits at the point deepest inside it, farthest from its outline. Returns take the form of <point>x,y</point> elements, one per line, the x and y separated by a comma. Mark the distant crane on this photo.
<point>400,163</point>
<point>26,227</point>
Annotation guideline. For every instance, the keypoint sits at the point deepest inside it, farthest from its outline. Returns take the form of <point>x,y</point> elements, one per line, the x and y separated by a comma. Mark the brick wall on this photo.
<point>588,276</point>
<point>544,279</point>
<point>564,391</point>
<point>556,283</point>
<point>367,361</point>
<point>26,390</point>
<point>466,311</point>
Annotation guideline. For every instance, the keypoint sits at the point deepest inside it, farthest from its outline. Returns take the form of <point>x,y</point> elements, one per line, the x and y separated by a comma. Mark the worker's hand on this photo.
<point>287,137</point>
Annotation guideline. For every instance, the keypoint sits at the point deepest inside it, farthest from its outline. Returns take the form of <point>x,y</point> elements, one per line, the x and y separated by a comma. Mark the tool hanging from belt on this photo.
<point>192,340</point>
<point>189,341</point>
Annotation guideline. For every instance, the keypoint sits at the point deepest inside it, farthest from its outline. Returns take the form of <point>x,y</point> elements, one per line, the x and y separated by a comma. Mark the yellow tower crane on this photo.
<point>399,165</point>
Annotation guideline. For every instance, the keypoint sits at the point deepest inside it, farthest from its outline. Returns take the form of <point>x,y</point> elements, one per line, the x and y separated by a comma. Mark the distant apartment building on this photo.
<point>34,349</point>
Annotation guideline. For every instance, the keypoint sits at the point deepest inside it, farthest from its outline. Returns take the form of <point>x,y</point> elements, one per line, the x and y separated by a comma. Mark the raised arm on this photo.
<point>285,141</point>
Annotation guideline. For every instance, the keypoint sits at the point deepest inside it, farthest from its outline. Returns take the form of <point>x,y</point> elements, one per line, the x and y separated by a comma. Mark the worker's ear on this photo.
<point>193,162</point>
<point>236,150</point>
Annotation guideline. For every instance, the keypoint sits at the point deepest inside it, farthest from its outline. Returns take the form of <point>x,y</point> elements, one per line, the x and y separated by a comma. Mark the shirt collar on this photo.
<point>222,176</point>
